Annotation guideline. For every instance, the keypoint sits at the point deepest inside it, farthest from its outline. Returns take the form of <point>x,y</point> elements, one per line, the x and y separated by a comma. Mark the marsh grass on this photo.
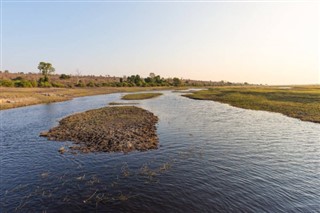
<point>302,102</point>
<point>121,103</point>
<point>140,96</point>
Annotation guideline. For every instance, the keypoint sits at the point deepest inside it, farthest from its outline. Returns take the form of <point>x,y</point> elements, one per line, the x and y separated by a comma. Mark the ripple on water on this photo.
<point>212,158</point>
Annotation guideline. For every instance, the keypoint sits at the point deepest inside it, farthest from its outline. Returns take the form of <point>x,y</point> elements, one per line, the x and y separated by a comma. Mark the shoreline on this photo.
<point>302,103</point>
<point>11,97</point>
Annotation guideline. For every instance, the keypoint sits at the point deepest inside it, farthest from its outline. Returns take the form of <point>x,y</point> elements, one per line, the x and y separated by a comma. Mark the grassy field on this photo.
<point>302,102</point>
<point>11,97</point>
<point>140,96</point>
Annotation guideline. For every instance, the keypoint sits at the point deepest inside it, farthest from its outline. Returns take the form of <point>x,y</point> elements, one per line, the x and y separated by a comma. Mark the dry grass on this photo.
<point>108,129</point>
<point>19,97</point>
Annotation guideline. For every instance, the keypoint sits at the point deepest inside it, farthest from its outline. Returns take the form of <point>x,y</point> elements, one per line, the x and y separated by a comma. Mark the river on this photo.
<point>211,158</point>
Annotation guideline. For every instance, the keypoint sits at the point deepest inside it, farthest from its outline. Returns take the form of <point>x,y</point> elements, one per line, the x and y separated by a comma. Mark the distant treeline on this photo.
<point>8,79</point>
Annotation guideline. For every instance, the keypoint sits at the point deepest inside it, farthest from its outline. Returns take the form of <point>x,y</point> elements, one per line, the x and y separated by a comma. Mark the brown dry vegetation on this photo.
<point>11,97</point>
<point>108,129</point>
<point>74,79</point>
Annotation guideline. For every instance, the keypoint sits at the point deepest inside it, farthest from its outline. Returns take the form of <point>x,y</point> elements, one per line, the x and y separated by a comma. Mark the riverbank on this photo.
<point>302,102</point>
<point>18,97</point>
<point>108,129</point>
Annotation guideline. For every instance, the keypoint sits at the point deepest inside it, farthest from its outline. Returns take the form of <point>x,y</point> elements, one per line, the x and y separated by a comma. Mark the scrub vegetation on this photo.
<point>302,102</point>
<point>140,96</point>
<point>47,78</point>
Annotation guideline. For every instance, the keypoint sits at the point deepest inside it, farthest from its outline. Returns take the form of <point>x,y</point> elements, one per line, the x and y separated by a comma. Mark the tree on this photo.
<point>46,69</point>
<point>152,75</point>
<point>176,82</point>
<point>78,74</point>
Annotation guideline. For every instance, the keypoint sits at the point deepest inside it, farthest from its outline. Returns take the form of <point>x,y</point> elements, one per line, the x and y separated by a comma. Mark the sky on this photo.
<point>262,42</point>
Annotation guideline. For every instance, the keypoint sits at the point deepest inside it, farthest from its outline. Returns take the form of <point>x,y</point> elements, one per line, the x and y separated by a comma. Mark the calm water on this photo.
<point>211,158</point>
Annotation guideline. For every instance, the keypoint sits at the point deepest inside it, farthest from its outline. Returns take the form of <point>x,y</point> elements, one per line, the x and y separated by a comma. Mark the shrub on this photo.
<point>90,84</point>
<point>22,83</point>
<point>19,78</point>
<point>80,84</point>
<point>34,83</point>
<point>6,83</point>
<point>64,76</point>
<point>44,84</point>
<point>57,85</point>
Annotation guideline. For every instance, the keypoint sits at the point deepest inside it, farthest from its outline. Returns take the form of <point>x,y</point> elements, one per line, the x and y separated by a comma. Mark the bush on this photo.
<point>90,84</point>
<point>19,78</point>
<point>80,84</point>
<point>22,83</point>
<point>6,83</point>
<point>64,76</point>
<point>57,85</point>
<point>34,83</point>
<point>44,84</point>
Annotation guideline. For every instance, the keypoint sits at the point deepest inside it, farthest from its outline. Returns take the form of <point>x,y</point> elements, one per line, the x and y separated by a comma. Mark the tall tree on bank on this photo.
<point>46,69</point>
<point>176,82</point>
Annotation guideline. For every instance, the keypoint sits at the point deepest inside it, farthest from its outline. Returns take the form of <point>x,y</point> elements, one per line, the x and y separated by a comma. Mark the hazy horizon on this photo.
<point>255,42</point>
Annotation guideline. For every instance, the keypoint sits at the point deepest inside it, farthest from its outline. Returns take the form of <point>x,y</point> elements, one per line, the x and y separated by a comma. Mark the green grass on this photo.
<point>119,103</point>
<point>140,96</point>
<point>302,102</point>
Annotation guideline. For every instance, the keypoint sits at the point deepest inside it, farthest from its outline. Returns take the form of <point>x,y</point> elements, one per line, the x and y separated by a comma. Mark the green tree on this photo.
<point>46,69</point>
<point>176,82</point>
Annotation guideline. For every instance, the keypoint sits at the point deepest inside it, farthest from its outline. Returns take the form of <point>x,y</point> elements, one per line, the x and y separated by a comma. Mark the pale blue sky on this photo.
<point>273,43</point>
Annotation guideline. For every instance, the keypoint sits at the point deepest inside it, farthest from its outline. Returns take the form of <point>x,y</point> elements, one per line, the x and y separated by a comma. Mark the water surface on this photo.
<point>212,158</point>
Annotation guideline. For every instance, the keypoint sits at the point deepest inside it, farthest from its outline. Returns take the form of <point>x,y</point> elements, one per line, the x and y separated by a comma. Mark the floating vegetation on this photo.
<point>125,170</point>
<point>81,177</point>
<point>45,174</point>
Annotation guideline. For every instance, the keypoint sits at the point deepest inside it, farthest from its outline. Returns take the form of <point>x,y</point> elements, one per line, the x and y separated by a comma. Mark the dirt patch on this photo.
<point>108,129</point>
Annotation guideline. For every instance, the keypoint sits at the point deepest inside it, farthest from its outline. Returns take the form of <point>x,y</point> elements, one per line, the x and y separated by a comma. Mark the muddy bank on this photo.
<point>108,129</point>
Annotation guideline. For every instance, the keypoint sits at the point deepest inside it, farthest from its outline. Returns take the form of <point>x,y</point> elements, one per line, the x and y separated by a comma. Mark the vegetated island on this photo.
<point>108,129</point>
<point>140,96</point>
<point>298,102</point>
<point>121,103</point>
